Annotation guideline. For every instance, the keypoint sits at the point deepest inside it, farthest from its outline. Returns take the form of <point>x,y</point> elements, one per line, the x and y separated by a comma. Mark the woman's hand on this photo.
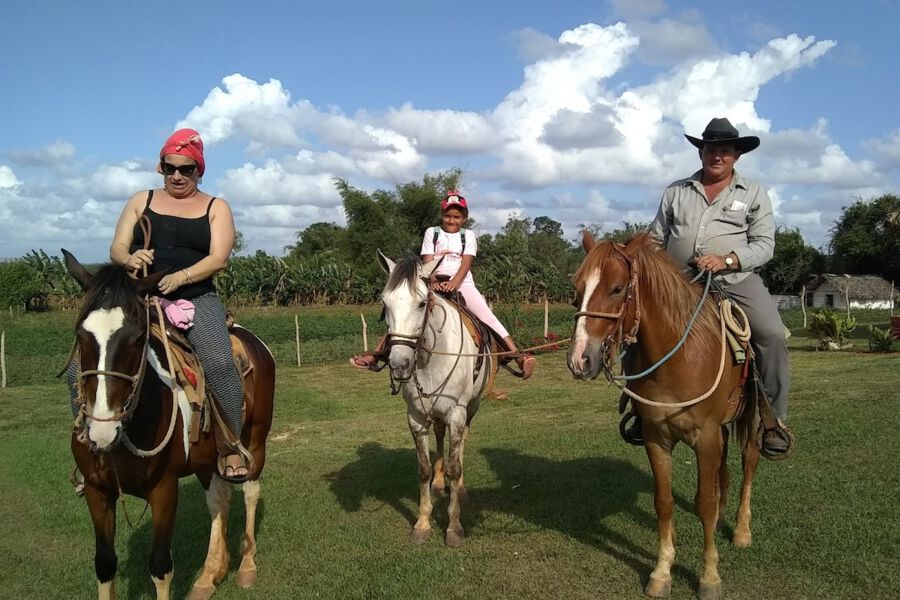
<point>139,259</point>
<point>172,282</point>
<point>447,286</point>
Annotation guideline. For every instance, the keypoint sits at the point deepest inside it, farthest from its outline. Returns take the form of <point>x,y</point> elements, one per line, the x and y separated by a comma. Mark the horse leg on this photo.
<point>463,493</point>
<point>103,515</point>
<point>749,461</point>
<point>215,567</point>
<point>724,478</point>
<point>247,572</point>
<point>457,426</point>
<point>163,501</point>
<point>709,460</point>
<point>422,529</point>
<point>660,456</point>
<point>437,481</point>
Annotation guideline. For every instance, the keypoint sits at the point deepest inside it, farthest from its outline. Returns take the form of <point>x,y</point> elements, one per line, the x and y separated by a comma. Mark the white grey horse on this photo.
<point>431,362</point>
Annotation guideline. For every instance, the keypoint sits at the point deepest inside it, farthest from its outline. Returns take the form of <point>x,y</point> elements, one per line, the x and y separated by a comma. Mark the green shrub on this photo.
<point>20,285</point>
<point>831,329</point>
<point>880,340</point>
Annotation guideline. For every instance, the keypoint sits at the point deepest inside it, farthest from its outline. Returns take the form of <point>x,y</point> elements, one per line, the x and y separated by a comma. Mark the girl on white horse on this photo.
<point>450,242</point>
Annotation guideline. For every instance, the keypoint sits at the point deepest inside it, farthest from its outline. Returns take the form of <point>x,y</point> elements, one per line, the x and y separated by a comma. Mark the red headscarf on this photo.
<point>185,142</point>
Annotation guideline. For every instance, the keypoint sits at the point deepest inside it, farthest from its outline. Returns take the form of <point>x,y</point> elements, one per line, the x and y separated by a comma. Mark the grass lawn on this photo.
<point>559,507</point>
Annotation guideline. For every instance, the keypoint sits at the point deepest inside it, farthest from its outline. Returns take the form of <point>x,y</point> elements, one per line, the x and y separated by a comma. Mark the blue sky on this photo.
<point>574,110</point>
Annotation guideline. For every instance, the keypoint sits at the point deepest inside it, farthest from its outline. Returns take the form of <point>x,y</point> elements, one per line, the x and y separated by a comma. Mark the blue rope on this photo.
<point>680,343</point>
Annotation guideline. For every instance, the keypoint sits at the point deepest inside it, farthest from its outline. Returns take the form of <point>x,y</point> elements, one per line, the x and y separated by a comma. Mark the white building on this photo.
<point>863,291</point>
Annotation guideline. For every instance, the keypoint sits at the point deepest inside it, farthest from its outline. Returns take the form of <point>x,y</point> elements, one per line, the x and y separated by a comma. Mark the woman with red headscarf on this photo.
<point>191,239</point>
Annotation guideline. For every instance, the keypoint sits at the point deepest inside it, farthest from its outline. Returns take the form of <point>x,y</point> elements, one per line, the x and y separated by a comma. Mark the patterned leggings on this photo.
<point>209,337</point>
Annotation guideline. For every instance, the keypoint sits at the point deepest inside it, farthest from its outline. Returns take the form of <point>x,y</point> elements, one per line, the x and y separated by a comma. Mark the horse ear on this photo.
<point>387,265</point>
<point>430,267</point>
<point>635,243</point>
<point>587,240</point>
<point>76,270</point>
<point>149,284</point>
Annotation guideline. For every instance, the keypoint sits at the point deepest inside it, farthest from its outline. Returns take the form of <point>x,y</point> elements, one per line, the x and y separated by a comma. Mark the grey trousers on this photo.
<point>767,339</point>
<point>209,337</point>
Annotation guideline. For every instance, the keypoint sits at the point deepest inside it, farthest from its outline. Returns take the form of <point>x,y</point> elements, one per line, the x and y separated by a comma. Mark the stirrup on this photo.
<point>784,435</point>
<point>628,430</point>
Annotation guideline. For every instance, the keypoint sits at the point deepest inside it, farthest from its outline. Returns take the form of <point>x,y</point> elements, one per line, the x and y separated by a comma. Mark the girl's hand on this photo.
<point>139,259</point>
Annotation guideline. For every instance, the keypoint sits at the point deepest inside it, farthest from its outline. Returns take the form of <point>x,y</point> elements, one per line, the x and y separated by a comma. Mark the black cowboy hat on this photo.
<point>721,131</point>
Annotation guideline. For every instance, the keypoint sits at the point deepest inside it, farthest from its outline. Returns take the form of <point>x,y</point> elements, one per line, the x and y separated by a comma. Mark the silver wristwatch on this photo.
<point>729,262</point>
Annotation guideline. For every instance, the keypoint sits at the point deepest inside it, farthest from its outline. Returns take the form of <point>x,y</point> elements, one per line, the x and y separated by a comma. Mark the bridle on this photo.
<point>136,380</point>
<point>617,335</point>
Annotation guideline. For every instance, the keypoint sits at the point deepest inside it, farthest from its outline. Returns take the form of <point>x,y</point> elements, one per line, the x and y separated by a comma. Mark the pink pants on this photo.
<point>476,303</point>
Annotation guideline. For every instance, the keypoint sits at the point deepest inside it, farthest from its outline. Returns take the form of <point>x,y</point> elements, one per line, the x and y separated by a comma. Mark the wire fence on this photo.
<point>37,344</point>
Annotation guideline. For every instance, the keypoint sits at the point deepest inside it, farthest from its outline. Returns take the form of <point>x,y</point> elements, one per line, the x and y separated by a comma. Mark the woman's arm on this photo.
<point>120,248</point>
<point>221,231</point>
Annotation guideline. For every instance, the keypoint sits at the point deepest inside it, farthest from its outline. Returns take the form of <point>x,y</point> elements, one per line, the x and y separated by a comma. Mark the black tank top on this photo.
<point>178,243</point>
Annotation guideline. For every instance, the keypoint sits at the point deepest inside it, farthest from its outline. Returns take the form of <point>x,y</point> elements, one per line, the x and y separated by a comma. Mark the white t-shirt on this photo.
<point>449,245</point>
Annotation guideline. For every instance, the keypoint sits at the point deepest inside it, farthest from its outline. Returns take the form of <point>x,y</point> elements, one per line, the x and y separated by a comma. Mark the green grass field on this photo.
<point>559,507</point>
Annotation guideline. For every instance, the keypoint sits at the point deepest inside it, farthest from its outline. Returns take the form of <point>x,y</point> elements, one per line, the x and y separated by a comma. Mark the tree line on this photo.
<point>528,260</point>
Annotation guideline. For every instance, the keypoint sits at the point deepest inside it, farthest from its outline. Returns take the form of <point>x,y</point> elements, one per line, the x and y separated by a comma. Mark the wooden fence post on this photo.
<point>297,336</point>
<point>803,304</point>
<point>546,317</point>
<point>3,359</point>
<point>364,332</point>
<point>892,298</point>
<point>847,299</point>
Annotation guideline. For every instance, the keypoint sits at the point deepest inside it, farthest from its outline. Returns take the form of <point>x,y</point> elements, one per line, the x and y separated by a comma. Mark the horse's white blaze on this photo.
<point>102,324</point>
<point>581,336</point>
<point>184,406</point>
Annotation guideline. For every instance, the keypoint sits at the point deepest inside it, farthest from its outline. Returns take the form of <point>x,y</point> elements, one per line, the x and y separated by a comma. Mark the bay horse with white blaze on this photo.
<point>433,358</point>
<point>634,294</point>
<point>135,438</point>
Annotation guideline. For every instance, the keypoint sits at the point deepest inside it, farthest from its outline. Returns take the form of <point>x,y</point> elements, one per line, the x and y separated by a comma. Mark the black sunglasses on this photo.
<point>185,170</point>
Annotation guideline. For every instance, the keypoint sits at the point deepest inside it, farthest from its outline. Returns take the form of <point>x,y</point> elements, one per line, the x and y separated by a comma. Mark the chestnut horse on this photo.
<point>136,441</point>
<point>636,293</point>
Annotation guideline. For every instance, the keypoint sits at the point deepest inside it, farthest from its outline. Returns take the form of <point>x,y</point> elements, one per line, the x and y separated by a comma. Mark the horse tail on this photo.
<point>747,422</point>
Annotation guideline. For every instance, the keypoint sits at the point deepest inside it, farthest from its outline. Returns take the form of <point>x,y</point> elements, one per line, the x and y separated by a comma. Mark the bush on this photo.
<point>20,285</point>
<point>831,329</point>
<point>880,340</point>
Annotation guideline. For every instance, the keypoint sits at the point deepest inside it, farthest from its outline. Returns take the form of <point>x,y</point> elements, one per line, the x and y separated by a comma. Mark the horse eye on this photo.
<point>618,289</point>
<point>422,304</point>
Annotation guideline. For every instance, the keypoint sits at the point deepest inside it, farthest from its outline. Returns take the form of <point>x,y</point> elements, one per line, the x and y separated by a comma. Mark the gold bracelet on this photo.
<point>187,273</point>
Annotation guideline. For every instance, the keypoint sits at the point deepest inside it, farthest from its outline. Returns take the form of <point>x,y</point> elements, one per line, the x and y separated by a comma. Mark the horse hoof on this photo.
<point>710,591</point>
<point>246,579</point>
<point>742,540</point>
<point>420,536</point>
<point>658,588</point>
<point>202,592</point>
<point>454,538</point>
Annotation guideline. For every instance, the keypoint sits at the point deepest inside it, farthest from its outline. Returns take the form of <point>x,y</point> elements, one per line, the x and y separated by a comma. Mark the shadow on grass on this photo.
<point>575,498</point>
<point>189,543</point>
<point>385,474</point>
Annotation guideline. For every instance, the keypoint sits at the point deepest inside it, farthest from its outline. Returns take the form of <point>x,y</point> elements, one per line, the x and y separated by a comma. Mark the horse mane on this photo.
<point>406,270</point>
<point>111,286</point>
<point>670,285</point>
<point>660,278</point>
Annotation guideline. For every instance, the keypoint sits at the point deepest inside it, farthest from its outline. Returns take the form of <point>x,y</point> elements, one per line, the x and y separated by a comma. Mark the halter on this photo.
<point>131,402</point>
<point>618,318</point>
<point>415,341</point>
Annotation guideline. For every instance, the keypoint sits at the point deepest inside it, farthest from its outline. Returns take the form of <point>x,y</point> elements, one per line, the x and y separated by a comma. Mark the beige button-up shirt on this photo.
<point>739,220</point>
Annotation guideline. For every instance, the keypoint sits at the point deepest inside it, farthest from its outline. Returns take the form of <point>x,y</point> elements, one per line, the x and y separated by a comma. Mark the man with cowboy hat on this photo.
<point>722,222</point>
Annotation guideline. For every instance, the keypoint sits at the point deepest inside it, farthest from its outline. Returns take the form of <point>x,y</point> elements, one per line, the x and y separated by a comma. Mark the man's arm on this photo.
<point>663,222</point>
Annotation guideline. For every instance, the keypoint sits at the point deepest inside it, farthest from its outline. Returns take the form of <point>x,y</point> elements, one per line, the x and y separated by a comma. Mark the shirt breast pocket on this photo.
<point>734,218</point>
